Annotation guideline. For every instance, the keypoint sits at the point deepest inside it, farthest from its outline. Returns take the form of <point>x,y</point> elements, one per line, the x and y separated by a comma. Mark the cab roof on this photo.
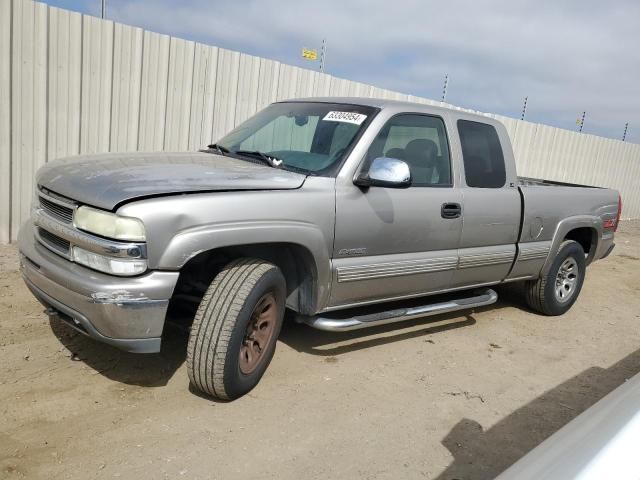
<point>383,103</point>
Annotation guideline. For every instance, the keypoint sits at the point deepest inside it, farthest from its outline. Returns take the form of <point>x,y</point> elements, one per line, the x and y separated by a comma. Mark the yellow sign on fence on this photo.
<point>309,54</point>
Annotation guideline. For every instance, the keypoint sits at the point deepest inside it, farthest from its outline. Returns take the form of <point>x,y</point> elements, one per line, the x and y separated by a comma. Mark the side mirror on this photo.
<point>386,172</point>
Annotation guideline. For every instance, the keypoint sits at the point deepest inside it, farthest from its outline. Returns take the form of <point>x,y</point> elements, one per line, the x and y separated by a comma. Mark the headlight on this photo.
<point>114,266</point>
<point>109,225</point>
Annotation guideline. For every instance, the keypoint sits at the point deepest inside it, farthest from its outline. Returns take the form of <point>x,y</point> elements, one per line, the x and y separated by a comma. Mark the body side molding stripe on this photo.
<point>394,269</point>
<point>535,251</point>
<point>415,267</point>
<point>485,259</point>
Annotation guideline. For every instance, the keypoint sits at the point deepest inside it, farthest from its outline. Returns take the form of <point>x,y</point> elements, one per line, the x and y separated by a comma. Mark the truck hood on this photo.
<point>107,180</point>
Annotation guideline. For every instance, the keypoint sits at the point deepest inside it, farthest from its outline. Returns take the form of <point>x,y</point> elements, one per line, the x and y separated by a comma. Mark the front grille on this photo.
<point>56,210</point>
<point>54,242</point>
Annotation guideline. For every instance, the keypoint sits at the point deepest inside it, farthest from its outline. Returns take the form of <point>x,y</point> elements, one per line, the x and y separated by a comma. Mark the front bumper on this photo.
<point>128,313</point>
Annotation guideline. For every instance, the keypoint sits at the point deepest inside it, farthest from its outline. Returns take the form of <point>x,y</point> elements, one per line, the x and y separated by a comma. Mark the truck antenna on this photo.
<point>581,121</point>
<point>444,88</point>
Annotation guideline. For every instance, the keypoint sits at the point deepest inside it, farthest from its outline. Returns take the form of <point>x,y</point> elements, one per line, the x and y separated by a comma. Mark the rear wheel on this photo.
<point>236,327</point>
<point>557,291</point>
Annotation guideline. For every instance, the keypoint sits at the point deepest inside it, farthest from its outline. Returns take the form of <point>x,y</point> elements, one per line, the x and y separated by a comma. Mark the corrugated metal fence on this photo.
<point>71,84</point>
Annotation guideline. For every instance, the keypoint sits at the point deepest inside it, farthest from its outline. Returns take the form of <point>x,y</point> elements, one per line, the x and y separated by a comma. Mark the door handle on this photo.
<point>451,210</point>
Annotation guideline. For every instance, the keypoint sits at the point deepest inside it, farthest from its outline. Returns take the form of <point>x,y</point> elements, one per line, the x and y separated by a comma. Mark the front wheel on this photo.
<point>555,292</point>
<point>236,327</point>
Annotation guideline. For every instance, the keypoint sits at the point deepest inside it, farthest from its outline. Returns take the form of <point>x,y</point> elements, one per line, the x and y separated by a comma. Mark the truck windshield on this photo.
<point>306,136</point>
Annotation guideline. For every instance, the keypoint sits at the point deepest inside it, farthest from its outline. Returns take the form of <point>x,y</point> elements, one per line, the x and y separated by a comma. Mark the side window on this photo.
<point>482,155</point>
<point>419,140</point>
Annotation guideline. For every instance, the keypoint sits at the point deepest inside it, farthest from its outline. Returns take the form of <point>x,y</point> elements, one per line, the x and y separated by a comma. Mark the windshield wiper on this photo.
<point>219,148</point>
<point>270,160</point>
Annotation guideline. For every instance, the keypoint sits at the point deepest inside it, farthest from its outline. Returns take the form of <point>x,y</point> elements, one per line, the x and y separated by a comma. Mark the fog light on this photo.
<point>102,263</point>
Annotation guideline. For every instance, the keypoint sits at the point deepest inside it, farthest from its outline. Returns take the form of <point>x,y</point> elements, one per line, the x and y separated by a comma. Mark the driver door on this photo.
<point>394,243</point>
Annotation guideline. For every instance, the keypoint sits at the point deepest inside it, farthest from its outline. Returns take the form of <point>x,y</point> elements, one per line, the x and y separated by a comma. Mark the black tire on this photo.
<point>541,295</point>
<point>220,326</point>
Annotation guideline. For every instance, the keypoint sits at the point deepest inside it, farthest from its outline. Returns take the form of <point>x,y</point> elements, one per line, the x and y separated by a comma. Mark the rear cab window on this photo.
<point>482,155</point>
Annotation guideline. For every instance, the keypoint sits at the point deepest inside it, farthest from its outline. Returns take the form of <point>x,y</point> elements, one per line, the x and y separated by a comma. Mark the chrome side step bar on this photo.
<point>337,324</point>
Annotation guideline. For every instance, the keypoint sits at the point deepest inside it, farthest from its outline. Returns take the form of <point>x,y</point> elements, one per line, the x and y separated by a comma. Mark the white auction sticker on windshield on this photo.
<point>348,117</point>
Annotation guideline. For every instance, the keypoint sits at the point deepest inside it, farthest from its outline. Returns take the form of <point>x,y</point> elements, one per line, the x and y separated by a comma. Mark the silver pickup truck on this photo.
<point>328,207</point>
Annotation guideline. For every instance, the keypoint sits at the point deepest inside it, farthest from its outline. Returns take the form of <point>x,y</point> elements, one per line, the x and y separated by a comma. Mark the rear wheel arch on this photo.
<point>583,228</point>
<point>587,237</point>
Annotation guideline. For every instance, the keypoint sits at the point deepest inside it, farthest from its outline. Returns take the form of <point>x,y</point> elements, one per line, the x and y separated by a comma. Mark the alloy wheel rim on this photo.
<point>259,333</point>
<point>566,280</point>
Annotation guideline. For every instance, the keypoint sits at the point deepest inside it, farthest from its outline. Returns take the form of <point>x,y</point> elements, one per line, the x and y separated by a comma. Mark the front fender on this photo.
<point>181,226</point>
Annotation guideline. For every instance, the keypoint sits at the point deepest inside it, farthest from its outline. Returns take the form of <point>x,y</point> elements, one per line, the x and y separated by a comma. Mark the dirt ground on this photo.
<point>458,397</point>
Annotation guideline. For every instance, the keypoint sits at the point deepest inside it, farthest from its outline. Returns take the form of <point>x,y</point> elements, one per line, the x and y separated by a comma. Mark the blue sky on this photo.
<point>566,56</point>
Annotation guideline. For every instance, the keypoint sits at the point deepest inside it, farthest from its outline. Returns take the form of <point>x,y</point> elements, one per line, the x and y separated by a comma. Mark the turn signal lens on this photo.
<point>111,265</point>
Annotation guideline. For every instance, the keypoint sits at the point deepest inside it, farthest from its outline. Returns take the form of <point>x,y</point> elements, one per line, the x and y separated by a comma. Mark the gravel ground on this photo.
<point>458,397</point>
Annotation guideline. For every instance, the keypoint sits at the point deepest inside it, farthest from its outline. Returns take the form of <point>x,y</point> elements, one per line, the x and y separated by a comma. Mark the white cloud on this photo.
<point>566,56</point>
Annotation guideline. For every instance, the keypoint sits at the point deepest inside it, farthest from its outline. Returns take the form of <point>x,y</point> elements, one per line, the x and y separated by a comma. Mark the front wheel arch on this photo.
<point>296,263</point>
